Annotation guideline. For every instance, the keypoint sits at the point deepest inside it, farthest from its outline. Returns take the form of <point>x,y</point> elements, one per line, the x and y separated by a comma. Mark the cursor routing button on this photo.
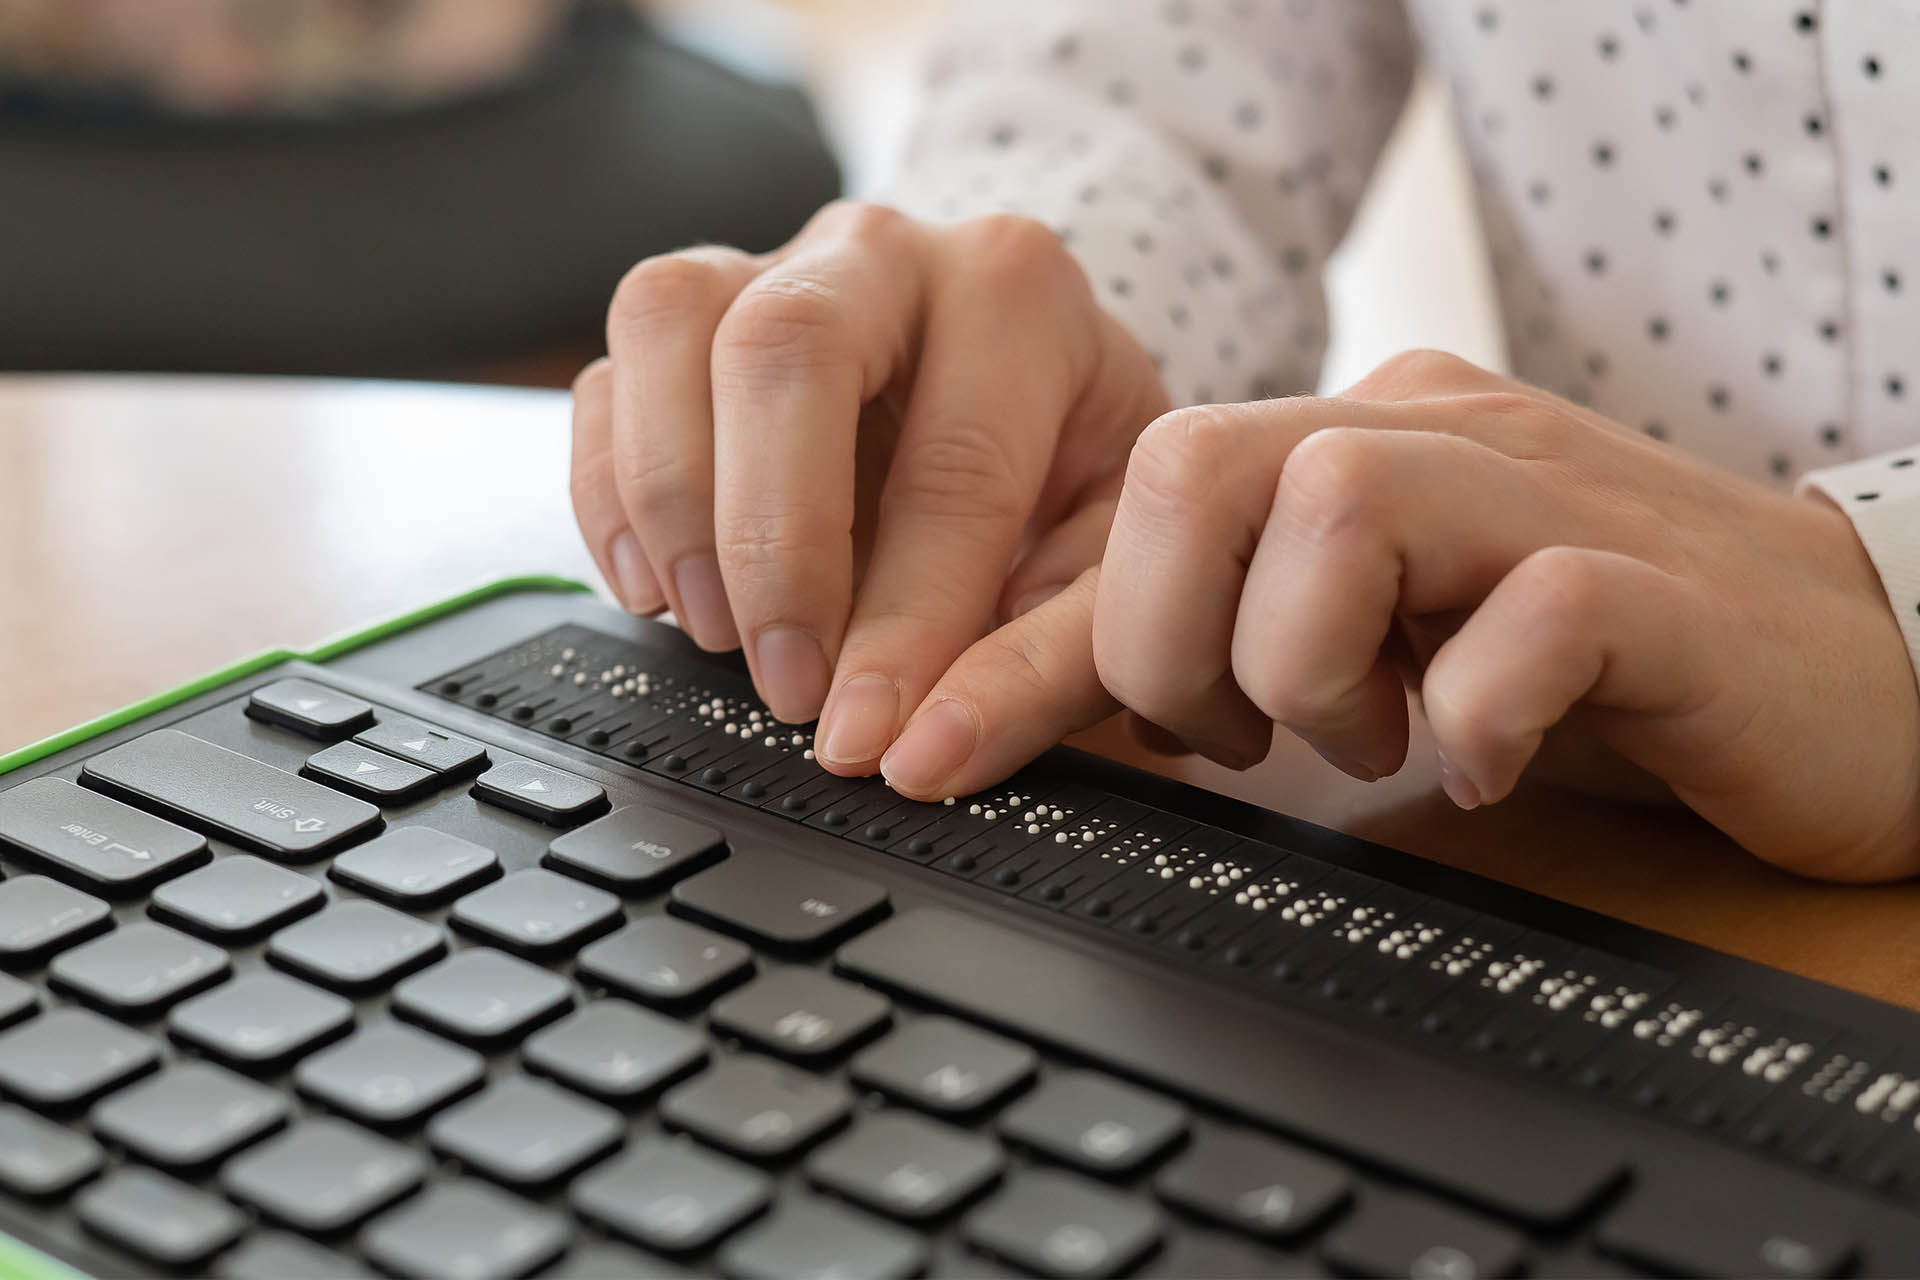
<point>553,797</point>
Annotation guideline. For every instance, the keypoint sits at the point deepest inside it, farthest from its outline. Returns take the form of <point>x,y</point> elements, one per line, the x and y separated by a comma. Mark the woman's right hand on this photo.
<point>856,455</point>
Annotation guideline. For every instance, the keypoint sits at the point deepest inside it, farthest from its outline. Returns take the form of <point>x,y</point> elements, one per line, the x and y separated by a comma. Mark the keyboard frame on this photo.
<point>385,664</point>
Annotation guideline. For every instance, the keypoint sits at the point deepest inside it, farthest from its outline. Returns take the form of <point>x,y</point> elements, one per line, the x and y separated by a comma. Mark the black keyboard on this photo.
<point>503,949</point>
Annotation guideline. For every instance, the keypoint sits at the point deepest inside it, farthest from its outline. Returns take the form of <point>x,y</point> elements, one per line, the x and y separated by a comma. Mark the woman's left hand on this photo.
<point>1545,582</point>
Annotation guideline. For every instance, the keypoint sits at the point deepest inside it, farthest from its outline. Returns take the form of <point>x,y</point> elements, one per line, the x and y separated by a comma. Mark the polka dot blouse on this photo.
<point>1703,216</point>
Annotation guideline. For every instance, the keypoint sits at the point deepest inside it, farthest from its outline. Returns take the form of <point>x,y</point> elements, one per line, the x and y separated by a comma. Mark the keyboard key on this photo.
<point>526,1133</point>
<point>139,969</point>
<point>356,946</point>
<point>1095,1122</point>
<point>817,1238</point>
<point>1391,1234</point>
<point>158,1217</point>
<point>39,916</point>
<point>422,744</point>
<point>323,1175</point>
<point>261,1020</point>
<point>82,835</point>
<point>1255,1184</point>
<point>274,1255</point>
<point>465,1230</point>
<point>18,1000</point>
<point>310,709</point>
<point>601,1260</point>
<point>70,1057</point>
<point>237,897</point>
<point>670,1194</point>
<point>1528,1156</point>
<point>190,1115</point>
<point>369,774</point>
<point>1738,1227</point>
<point>546,795</point>
<point>538,913</point>
<point>248,802</point>
<point>756,1107</point>
<point>780,902</point>
<point>1061,1225</point>
<point>483,997</point>
<point>659,959</point>
<point>390,1075</point>
<point>40,1158</point>
<point>416,866</point>
<point>800,1013</point>
<point>636,850</point>
<point>944,1066</point>
<point>615,1051</point>
<point>906,1166</point>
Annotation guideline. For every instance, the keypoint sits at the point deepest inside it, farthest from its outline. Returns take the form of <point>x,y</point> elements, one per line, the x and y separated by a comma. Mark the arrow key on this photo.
<point>426,746</point>
<point>309,709</point>
<point>556,798</point>
<point>367,773</point>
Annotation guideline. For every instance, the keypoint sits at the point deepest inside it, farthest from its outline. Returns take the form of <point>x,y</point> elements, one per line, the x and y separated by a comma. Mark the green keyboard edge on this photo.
<point>19,1260</point>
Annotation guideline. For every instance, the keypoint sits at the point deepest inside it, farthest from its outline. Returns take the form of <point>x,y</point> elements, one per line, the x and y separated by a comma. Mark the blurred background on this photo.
<point>451,188</point>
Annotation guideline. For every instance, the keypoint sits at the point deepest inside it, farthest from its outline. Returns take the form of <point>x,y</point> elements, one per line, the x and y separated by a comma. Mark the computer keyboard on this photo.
<point>503,950</point>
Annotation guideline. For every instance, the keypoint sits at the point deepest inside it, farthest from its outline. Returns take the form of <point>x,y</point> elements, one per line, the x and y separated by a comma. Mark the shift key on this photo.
<point>231,795</point>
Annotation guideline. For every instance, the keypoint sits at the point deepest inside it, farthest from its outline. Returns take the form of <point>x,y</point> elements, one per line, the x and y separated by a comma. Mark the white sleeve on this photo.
<point>1201,158</point>
<point>1881,495</point>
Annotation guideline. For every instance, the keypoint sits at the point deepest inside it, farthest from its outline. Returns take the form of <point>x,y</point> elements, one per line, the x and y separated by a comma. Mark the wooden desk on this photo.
<point>153,529</point>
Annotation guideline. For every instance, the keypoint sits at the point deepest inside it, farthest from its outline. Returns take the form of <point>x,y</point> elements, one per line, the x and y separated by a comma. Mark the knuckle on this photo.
<point>1333,477</point>
<point>1562,589</point>
<point>766,543</point>
<point>1416,368</point>
<point>1139,683</point>
<point>1528,423</point>
<point>1014,251</point>
<point>865,221</point>
<point>1178,460</point>
<point>785,323</point>
<point>594,381</point>
<point>660,291</point>
<point>959,471</point>
<point>1282,693</point>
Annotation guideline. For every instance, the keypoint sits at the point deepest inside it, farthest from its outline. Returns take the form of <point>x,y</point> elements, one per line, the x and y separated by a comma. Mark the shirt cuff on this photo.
<point>1881,495</point>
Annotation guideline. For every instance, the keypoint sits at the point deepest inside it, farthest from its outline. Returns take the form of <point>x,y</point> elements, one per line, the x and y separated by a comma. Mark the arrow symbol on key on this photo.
<point>308,825</point>
<point>366,766</point>
<point>138,855</point>
<point>535,785</point>
<point>306,704</point>
<point>418,744</point>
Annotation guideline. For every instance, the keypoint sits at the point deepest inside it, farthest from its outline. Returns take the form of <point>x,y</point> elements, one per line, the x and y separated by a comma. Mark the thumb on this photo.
<point>1009,697</point>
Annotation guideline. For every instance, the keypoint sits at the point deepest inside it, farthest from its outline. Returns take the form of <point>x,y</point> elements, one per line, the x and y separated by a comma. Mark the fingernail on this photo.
<point>1458,786</point>
<point>633,578</point>
<point>793,673</point>
<point>1034,599</point>
<point>860,720</point>
<point>936,743</point>
<point>1341,760</point>
<point>704,610</point>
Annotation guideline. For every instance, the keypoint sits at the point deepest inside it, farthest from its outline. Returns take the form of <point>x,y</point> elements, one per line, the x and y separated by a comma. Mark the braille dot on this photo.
<point>1821,228</point>
<point>1608,46</point>
<point>1603,154</point>
<point>1596,262</point>
<point>1754,163</point>
<point>1542,87</point>
<point>1657,328</point>
<point>1804,21</point>
<point>1655,430</point>
<point>1891,279</point>
<point>1830,436</point>
<point>1719,293</point>
<point>1883,175</point>
<point>1871,65</point>
<point>1719,397</point>
<point>1221,265</point>
<point>1741,62</point>
<point>1896,386</point>
<point>1597,364</point>
<point>1663,221</point>
<point>1770,364</point>
<point>1179,315</point>
<point>1487,19</point>
<point>1814,126</point>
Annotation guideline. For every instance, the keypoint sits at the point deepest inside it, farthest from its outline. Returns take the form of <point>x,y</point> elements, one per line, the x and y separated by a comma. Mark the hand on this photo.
<point>856,454</point>
<point>1541,579</point>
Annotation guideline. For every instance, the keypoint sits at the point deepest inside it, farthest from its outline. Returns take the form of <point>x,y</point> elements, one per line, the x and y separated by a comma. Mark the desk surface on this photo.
<point>154,529</point>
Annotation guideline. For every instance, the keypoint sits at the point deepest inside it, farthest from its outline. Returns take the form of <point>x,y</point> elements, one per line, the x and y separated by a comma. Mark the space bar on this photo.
<point>1483,1141</point>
